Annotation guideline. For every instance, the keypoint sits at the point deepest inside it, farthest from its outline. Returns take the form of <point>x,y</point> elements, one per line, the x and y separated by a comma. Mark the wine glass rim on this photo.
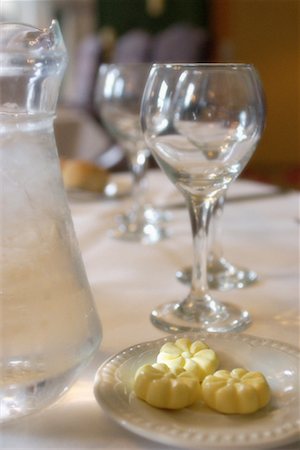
<point>125,64</point>
<point>203,65</point>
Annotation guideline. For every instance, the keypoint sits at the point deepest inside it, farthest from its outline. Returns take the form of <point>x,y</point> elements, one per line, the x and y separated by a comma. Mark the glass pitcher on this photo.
<point>49,327</point>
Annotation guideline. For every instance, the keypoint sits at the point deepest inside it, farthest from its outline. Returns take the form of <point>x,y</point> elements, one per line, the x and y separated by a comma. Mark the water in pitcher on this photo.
<point>49,327</point>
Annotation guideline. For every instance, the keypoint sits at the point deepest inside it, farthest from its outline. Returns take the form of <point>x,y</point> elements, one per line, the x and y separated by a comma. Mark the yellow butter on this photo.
<point>157,385</point>
<point>194,357</point>
<point>235,392</point>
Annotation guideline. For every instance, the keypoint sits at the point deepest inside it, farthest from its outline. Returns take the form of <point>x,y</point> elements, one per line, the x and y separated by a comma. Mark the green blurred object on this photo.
<point>124,15</point>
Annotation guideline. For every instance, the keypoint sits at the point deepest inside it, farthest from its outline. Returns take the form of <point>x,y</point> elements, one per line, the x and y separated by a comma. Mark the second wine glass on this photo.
<point>119,92</point>
<point>202,123</point>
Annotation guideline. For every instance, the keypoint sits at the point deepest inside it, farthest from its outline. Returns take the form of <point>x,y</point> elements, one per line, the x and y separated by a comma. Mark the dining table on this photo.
<point>260,230</point>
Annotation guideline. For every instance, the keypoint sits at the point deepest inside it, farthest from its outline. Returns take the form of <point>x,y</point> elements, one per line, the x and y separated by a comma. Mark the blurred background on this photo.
<point>265,33</point>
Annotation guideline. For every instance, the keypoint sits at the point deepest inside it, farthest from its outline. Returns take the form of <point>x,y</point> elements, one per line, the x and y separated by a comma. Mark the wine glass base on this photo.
<point>148,230</point>
<point>144,233</point>
<point>224,278</point>
<point>168,317</point>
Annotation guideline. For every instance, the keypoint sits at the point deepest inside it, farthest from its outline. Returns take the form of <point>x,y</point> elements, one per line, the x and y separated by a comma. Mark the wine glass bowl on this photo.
<point>119,92</point>
<point>202,123</point>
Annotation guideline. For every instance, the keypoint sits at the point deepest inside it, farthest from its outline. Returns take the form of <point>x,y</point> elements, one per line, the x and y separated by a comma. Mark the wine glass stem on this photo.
<point>139,164</point>
<point>215,245</point>
<point>200,216</point>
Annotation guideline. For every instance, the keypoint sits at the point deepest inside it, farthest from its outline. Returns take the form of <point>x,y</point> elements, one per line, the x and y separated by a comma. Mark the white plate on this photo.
<point>198,426</point>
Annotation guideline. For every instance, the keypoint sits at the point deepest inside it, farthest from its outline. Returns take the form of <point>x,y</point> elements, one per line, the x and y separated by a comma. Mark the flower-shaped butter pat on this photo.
<point>194,357</point>
<point>157,385</point>
<point>236,392</point>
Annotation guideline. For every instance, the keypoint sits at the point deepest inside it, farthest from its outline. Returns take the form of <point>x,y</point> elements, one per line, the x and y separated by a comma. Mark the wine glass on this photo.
<point>221,274</point>
<point>202,123</point>
<point>119,91</point>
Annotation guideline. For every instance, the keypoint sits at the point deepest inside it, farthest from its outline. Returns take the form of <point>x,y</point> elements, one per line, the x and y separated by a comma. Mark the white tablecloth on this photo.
<point>129,279</point>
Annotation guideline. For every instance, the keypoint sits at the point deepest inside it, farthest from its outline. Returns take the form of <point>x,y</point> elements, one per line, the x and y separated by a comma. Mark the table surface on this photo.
<point>260,231</point>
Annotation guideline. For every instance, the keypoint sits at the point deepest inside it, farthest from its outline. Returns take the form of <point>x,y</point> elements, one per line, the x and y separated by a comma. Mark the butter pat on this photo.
<point>235,392</point>
<point>157,385</point>
<point>194,357</point>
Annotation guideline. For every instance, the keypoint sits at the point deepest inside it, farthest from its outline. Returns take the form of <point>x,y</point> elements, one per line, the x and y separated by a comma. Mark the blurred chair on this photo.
<point>79,132</point>
<point>88,58</point>
<point>133,47</point>
<point>182,43</point>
